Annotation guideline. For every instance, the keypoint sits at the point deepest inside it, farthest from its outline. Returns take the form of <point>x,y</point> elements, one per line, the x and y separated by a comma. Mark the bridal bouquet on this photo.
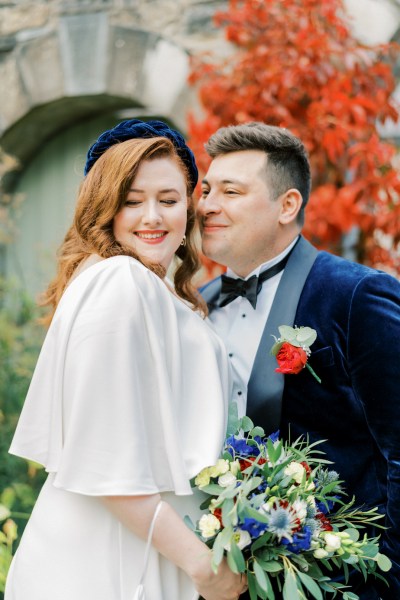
<point>277,513</point>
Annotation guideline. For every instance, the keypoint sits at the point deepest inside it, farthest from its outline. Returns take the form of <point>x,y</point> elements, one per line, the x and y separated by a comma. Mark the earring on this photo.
<point>183,242</point>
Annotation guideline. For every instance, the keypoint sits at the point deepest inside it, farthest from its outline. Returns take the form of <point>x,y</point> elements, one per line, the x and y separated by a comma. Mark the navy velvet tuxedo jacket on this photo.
<point>356,313</point>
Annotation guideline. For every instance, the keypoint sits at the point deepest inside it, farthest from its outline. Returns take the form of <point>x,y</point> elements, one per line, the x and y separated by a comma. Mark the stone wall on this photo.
<point>64,60</point>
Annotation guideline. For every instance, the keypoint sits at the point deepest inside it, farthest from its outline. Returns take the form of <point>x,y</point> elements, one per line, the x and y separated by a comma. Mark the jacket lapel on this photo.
<point>265,389</point>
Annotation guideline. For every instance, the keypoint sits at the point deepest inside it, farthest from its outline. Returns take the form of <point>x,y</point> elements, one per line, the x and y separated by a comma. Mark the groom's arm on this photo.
<point>374,358</point>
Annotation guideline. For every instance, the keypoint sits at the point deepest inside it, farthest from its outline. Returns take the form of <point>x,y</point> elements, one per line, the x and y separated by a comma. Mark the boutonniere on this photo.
<point>292,350</point>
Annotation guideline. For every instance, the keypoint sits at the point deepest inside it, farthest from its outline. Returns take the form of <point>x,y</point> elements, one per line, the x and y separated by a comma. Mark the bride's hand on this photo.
<point>225,585</point>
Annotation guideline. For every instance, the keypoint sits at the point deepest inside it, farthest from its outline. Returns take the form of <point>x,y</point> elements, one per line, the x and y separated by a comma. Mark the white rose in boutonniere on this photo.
<point>292,350</point>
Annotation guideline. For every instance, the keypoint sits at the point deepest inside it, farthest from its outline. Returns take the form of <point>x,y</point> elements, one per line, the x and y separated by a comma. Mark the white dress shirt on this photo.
<point>241,326</point>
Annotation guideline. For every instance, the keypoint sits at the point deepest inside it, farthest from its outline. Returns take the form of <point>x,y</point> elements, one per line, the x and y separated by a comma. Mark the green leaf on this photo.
<point>287,333</point>
<point>290,589</point>
<point>231,562</point>
<point>276,347</point>
<point>352,559</point>
<point>272,566</point>
<point>384,563</point>
<point>213,489</point>
<point>257,431</point>
<point>370,550</point>
<point>218,549</point>
<point>260,576</point>
<point>238,557</point>
<point>353,534</point>
<point>350,596</point>
<point>233,419</point>
<point>274,453</point>
<point>311,585</point>
<point>251,580</point>
<point>189,523</point>
<point>255,514</point>
<point>306,336</point>
<point>226,509</point>
<point>246,424</point>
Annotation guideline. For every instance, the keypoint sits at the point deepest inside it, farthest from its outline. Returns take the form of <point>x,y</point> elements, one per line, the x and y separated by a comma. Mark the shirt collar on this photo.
<point>266,265</point>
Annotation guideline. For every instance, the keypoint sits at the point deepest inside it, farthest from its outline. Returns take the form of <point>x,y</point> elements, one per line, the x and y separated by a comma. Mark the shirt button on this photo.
<point>230,354</point>
<point>239,393</point>
<point>243,315</point>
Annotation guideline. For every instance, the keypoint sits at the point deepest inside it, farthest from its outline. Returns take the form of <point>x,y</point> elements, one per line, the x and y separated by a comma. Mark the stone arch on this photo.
<point>86,66</point>
<point>60,79</point>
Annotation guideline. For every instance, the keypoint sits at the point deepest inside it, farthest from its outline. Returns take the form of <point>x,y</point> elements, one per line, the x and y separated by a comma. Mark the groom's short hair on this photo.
<point>287,164</point>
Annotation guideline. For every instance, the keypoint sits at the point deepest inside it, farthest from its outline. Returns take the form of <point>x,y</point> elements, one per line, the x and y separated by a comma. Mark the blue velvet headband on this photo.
<point>134,128</point>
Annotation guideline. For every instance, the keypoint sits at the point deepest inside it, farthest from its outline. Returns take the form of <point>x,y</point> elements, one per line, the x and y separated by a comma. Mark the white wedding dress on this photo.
<point>129,397</point>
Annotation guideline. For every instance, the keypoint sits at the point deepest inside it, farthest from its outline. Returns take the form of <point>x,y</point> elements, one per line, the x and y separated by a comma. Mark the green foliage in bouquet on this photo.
<point>277,513</point>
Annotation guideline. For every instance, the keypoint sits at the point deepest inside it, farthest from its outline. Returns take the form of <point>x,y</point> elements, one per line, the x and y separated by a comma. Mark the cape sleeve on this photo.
<point>103,410</point>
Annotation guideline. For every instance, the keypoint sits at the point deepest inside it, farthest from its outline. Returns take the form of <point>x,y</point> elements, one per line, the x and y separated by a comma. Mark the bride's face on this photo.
<point>153,220</point>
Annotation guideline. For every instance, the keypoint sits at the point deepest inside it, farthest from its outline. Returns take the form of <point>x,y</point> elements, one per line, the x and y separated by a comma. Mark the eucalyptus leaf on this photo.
<point>252,586</point>
<point>371,550</point>
<point>246,424</point>
<point>287,333</point>
<point>353,534</point>
<point>238,557</point>
<point>260,576</point>
<point>276,347</point>
<point>213,489</point>
<point>311,585</point>
<point>231,562</point>
<point>352,559</point>
<point>384,563</point>
<point>226,509</point>
<point>218,548</point>
<point>272,566</point>
<point>255,514</point>
<point>189,523</point>
<point>306,336</point>
<point>258,431</point>
<point>290,588</point>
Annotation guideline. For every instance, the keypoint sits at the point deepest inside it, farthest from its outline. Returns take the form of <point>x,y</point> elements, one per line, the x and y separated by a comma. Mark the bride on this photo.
<point>129,396</point>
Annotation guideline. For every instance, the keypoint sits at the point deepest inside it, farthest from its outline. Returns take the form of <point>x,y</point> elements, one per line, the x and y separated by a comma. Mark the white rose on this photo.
<point>295,470</point>
<point>203,478</point>
<point>332,542</point>
<point>221,467</point>
<point>227,479</point>
<point>209,525</point>
<point>320,553</point>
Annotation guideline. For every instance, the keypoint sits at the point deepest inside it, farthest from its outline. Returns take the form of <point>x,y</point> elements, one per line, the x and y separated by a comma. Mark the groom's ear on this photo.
<point>291,202</point>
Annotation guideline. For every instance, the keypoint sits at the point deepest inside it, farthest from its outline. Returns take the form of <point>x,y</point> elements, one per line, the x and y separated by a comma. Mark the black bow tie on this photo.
<point>248,288</point>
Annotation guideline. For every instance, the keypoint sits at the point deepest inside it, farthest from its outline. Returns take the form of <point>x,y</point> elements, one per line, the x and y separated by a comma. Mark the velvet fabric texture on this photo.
<point>356,313</point>
<point>134,128</point>
<point>356,408</point>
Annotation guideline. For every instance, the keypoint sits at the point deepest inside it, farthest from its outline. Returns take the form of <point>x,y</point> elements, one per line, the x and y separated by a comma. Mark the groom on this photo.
<point>251,215</point>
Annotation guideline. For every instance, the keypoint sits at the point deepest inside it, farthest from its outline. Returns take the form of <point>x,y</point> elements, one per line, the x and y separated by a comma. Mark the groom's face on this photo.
<point>239,220</point>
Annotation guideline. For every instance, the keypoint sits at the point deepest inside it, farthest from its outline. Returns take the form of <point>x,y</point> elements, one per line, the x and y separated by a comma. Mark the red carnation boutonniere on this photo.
<point>292,350</point>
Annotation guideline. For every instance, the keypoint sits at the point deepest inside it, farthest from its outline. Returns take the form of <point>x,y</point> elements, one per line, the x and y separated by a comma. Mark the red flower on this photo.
<point>218,513</point>
<point>291,359</point>
<point>325,522</point>
<point>307,468</point>
<point>247,462</point>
